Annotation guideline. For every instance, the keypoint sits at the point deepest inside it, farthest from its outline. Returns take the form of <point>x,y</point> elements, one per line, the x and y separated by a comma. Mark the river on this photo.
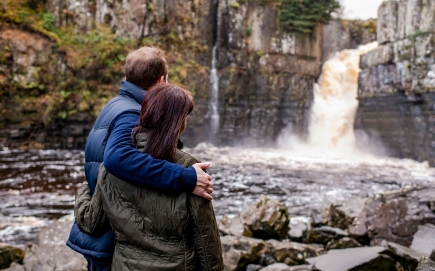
<point>38,186</point>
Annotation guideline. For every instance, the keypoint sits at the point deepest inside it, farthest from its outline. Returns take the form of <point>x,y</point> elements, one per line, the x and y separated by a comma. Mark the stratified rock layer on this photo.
<point>397,81</point>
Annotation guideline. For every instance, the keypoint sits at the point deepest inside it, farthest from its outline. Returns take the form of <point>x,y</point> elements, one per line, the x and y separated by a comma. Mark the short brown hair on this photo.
<point>145,66</point>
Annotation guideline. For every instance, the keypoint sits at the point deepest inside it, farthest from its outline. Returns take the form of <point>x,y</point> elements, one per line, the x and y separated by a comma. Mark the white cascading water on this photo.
<point>213,109</point>
<point>334,107</point>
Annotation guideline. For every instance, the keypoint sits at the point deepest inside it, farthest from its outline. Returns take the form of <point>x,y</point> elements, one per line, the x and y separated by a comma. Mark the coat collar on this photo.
<point>133,91</point>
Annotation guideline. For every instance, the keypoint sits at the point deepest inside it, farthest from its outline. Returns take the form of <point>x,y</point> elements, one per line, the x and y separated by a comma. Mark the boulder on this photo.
<point>351,216</point>
<point>51,253</point>
<point>9,254</point>
<point>424,239</point>
<point>298,227</point>
<point>320,218</point>
<point>233,226</point>
<point>241,251</point>
<point>266,219</point>
<point>407,257</point>
<point>292,253</point>
<point>325,234</point>
<point>343,243</point>
<point>425,264</point>
<point>284,267</point>
<point>254,267</point>
<point>352,259</point>
<point>395,216</point>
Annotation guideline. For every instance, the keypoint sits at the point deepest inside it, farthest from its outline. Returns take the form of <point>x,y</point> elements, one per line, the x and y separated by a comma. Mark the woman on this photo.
<point>154,230</point>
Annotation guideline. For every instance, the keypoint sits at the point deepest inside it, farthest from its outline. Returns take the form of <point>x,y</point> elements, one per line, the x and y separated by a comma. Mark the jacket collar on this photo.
<point>133,91</point>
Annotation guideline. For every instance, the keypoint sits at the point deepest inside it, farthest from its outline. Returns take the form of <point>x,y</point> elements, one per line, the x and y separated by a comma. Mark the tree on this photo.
<point>300,17</point>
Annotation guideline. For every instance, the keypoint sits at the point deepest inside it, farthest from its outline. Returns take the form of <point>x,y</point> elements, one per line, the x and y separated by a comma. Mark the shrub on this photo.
<point>300,17</point>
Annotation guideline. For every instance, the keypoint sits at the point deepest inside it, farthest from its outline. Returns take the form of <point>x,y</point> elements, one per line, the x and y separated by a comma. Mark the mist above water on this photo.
<point>331,129</point>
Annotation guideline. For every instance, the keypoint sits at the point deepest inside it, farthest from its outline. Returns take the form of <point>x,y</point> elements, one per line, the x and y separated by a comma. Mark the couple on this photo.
<point>147,207</point>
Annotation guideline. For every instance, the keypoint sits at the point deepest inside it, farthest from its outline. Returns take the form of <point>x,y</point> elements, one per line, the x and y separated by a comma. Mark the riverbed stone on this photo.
<point>51,253</point>
<point>238,252</point>
<point>292,253</point>
<point>298,228</point>
<point>233,226</point>
<point>343,243</point>
<point>352,259</point>
<point>284,267</point>
<point>407,257</point>
<point>424,239</point>
<point>395,216</point>
<point>350,216</point>
<point>9,254</point>
<point>266,219</point>
<point>325,234</point>
<point>425,264</point>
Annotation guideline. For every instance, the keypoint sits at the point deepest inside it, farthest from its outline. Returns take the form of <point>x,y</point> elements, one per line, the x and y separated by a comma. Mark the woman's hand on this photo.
<point>204,186</point>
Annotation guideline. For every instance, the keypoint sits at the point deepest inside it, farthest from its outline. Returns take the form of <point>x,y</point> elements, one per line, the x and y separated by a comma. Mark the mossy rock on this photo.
<point>9,254</point>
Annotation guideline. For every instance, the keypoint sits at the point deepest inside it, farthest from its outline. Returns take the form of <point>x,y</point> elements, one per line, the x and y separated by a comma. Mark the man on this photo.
<point>110,141</point>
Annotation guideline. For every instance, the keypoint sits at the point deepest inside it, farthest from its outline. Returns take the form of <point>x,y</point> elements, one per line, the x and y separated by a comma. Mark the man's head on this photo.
<point>145,67</point>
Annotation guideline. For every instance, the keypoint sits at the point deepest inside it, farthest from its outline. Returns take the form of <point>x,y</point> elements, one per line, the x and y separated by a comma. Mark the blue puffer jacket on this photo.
<point>129,99</point>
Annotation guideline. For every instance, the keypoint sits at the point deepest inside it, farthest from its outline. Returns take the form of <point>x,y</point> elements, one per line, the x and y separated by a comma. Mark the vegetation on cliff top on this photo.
<point>300,17</point>
<point>94,63</point>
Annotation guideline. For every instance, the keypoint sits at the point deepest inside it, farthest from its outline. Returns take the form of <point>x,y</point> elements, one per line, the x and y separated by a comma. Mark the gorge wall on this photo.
<point>397,81</point>
<point>61,61</point>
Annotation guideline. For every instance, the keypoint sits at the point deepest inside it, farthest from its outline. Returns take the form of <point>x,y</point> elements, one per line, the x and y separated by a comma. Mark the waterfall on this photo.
<point>334,106</point>
<point>213,106</point>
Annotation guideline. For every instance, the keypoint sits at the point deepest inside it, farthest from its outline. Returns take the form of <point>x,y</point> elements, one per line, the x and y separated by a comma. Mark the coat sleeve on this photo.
<point>88,210</point>
<point>123,160</point>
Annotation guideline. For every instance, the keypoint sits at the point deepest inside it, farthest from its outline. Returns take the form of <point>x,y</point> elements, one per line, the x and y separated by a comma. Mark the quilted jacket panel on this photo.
<point>154,230</point>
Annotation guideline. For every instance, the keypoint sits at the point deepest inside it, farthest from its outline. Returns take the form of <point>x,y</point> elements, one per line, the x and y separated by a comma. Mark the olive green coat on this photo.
<point>154,230</point>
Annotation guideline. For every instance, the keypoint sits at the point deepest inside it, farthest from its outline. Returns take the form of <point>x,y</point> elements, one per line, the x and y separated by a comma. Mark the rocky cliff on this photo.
<point>397,81</point>
<point>61,61</point>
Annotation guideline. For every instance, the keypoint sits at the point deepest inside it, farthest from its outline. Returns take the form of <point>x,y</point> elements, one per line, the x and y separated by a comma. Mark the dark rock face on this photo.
<point>396,83</point>
<point>292,253</point>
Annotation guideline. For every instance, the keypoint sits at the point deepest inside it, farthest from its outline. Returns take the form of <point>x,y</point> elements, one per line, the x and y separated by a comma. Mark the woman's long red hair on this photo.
<point>163,112</point>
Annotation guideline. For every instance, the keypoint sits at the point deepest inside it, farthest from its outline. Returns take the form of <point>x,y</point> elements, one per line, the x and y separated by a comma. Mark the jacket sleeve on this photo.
<point>206,237</point>
<point>123,160</point>
<point>88,211</point>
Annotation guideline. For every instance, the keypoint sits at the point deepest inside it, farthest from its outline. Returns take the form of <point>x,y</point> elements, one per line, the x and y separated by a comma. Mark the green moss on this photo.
<point>249,29</point>
<point>234,4</point>
<point>413,37</point>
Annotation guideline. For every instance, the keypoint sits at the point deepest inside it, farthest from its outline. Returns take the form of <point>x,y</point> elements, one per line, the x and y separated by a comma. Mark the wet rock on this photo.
<point>266,219</point>
<point>320,218</point>
<point>343,243</point>
<point>254,267</point>
<point>233,226</point>
<point>407,257</point>
<point>325,234</point>
<point>15,267</point>
<point>298,227</point>
<point>51,253</point>
<point>425,264</point>
<point>395,216</point>
<point>241,251</point>
<point>351,216</point>
<point>424,239</point>
<point>9,255</point>
<point>284,267</point>
<point>352,259</point>
<point>292,253</point>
